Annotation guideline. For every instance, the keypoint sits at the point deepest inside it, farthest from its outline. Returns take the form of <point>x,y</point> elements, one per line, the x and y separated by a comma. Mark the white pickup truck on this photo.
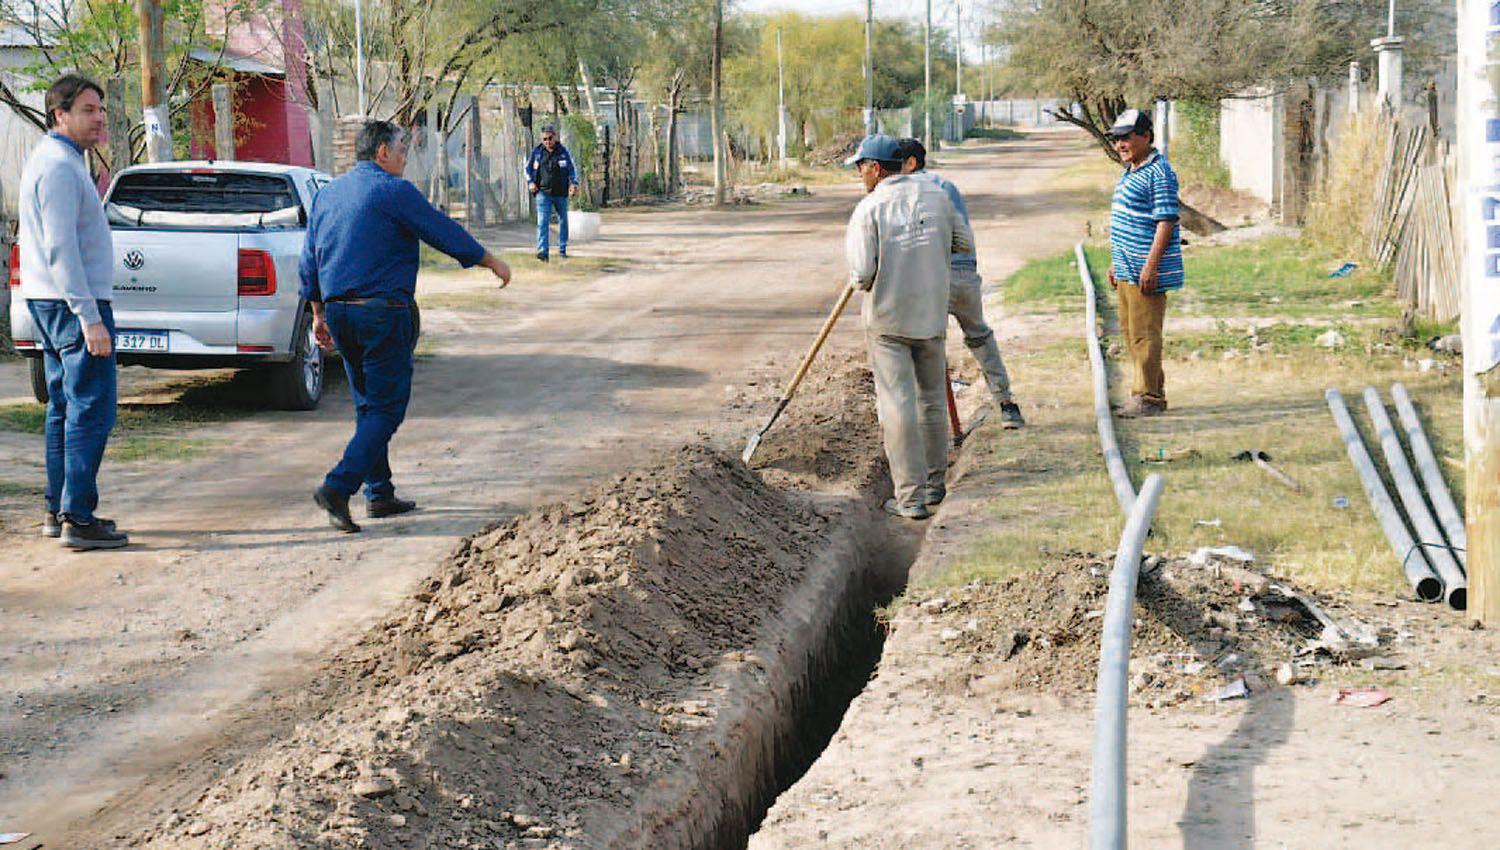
<point>206,258</point>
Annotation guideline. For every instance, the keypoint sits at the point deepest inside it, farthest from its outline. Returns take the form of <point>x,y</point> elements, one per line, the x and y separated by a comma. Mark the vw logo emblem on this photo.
<point>134,260</point>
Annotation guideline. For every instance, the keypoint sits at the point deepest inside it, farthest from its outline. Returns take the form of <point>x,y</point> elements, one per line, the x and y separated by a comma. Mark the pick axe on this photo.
<point>791,388</point>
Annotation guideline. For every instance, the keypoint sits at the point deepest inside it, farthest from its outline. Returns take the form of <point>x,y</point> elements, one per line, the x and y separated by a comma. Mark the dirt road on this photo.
<point>116,662</point>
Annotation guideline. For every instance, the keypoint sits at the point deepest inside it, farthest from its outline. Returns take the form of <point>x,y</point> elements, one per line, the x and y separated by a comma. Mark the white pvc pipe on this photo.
<point>1107,810</point>
<point>1429,538</point>
<point>1424,581</point>
<point>1448,513</point>
<point>1119,476</point>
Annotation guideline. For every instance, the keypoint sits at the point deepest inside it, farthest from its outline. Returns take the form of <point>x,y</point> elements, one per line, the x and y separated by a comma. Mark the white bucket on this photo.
<point>583,226</point>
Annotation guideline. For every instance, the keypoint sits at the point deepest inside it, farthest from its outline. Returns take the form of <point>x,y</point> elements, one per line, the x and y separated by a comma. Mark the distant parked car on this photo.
<point>206,258</point>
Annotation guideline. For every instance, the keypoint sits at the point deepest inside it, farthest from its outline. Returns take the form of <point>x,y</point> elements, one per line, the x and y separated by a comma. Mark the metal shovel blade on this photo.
<point>754,442</point>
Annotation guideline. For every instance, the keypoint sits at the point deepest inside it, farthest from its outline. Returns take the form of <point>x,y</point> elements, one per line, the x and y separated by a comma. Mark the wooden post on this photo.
<point>223,122</point>
<point>480,167</point>
<point>716,117</point>
<point>440,157</point>
<point>1478,213</point>
<point>154,108</point>
<point>119,124</point>
<point>469,161</point>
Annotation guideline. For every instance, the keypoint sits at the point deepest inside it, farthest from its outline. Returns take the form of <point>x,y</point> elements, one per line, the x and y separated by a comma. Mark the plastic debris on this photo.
<point>1211,523</point>
<point>1286,674</point>
<point>1344,271</point>
<point>1234,690</point>
<point>1329,339</point>
<point>1360,697</point>
<point>1341,502</point>
<point>13,837</point>
<point>1203,555</point>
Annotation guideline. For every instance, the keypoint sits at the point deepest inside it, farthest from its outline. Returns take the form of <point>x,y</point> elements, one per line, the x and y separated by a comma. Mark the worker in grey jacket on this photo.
<point>67,256</point>
<point>899,243</point>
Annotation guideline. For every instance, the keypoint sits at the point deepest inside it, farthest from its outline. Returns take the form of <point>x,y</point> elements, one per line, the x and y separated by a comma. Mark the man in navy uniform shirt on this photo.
<point>552,178</point>
<point>359,273</point>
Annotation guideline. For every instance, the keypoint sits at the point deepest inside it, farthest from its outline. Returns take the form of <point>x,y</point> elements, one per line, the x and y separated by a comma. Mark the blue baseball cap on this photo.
<point>876,146</point>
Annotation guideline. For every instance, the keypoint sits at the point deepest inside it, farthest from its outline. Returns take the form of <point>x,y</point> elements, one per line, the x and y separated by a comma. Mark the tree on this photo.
<point>823,57</point>
<point>1107,54</point>
<point>98,38</point>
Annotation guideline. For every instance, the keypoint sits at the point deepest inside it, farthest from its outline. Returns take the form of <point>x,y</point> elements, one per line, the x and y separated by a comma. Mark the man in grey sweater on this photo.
<point>66,259</point>
<point>899,244</point>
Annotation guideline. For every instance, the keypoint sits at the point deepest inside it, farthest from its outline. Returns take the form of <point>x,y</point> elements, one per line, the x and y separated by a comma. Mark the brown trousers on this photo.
<point>1141,317</point>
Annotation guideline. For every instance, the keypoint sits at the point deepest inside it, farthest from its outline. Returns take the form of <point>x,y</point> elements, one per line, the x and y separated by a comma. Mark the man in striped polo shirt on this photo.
<point>1145,255</point>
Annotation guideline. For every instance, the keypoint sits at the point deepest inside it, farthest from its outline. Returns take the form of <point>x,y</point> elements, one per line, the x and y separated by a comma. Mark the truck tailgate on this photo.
<point>158,270</point>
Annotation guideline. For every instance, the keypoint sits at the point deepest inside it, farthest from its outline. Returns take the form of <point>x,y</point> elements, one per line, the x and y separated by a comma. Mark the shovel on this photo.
<point>791,388</point>
<point>1263,461</point>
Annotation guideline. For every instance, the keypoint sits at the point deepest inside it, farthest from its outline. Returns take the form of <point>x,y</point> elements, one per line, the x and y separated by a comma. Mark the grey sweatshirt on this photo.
<point>900,242</point>
<point>67,251</point>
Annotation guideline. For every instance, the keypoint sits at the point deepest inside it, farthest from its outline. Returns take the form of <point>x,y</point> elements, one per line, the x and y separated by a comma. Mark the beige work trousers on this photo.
<point>1141,318</point>
<point>966,304</point>
<point>911,401</point>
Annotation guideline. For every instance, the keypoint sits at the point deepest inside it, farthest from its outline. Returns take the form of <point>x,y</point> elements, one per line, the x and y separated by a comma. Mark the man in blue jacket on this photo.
<point>552,178</point>
<point>359,273</point>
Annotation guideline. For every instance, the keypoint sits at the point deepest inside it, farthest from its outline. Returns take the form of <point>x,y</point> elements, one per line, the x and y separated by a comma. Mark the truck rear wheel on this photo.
<point>298,383</point>
<point>38,368</point>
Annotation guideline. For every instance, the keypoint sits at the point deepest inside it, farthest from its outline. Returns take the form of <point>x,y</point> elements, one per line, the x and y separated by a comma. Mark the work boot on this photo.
<point>337,506</point>
<point>541,256</point>
<point>389,506</point>
<point>934,495</point>
<point>94,535</point>
<point>1010,416</point>
<point>1139,407</point>
<point>917,512</point>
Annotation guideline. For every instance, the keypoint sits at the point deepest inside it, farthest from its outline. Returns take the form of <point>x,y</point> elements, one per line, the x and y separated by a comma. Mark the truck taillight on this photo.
<point>257,272</point>
<point>15,266</point>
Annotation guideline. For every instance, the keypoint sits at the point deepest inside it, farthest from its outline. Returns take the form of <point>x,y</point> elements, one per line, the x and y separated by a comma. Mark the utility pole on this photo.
<point>780,103</point>
<point>1478,214</point>
<point>869,66</point>
<point>958,48</point>
<point>927,78</point>
<point>359,53</point>
<point>716,118</point>
<point>154,109</point>
<point>1388,51</point>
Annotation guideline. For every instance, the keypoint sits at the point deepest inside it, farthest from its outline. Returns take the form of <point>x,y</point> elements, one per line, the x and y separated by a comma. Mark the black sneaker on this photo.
<point>95,535</point>
<point>918,512</point>
<point>1010,416</point>
<point>563,253</point>
<point>337,506</point>
<point>935,495</point>
<point>52,525</point>
<point>542,257</point>
<point>389,506</point>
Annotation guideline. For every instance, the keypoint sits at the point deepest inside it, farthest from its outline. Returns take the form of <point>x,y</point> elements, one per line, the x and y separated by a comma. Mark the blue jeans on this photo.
<point>375,340</point>
<point>546,205</point>
<point>81,409</point>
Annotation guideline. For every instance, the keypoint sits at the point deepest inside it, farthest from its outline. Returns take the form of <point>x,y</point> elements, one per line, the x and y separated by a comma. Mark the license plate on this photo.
<point>153,341</point>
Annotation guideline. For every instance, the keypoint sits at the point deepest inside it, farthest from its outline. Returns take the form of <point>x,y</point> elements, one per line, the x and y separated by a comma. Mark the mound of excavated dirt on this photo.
<point>1041,631</point>
<point>541,680</point>
<point>836,150</point>
<point>829,434</point>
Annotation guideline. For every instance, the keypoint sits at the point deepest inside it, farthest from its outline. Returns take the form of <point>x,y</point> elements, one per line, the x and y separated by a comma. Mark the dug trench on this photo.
<point>646,665</point>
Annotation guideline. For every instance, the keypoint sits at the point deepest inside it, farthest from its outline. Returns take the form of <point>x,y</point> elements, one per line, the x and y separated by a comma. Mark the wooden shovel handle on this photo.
<point>828,324</point>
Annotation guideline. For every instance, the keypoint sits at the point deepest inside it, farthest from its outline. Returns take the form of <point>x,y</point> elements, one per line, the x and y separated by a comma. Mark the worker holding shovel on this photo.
<point>899,243</point>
